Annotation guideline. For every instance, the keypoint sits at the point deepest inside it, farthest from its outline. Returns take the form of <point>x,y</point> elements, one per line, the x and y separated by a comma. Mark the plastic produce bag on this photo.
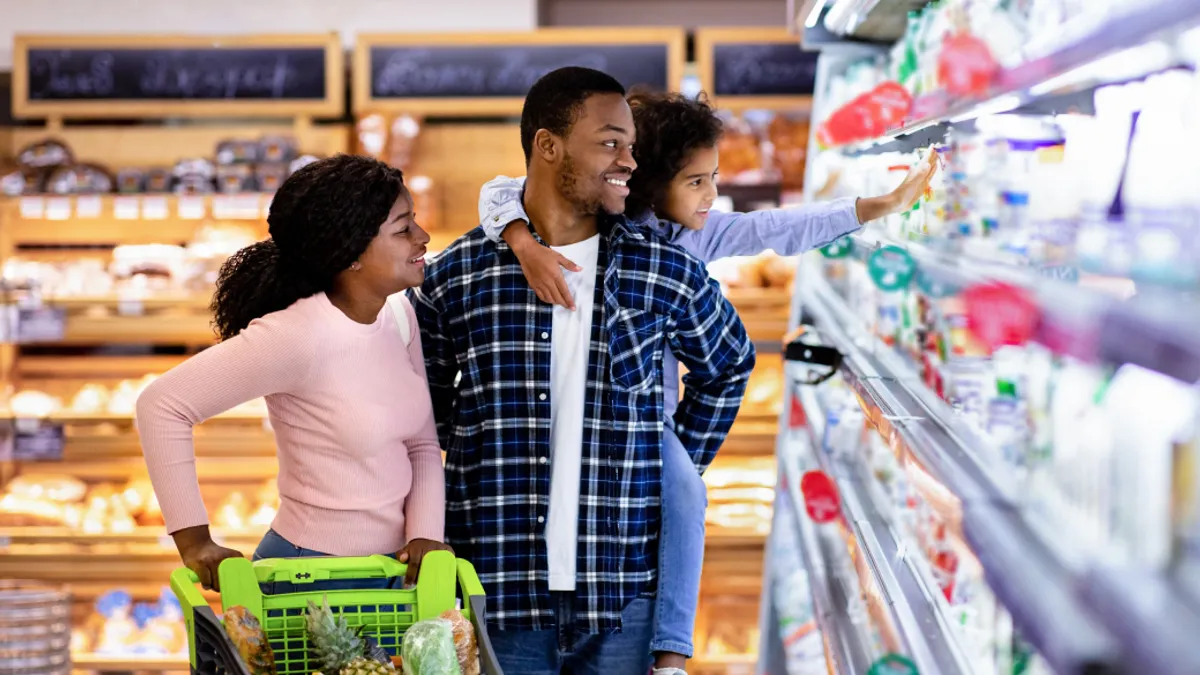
<point>429,649</point>
<point>464,641</point>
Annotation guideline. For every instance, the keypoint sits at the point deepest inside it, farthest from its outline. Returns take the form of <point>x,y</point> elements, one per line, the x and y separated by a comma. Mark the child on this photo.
<point>672,192</point>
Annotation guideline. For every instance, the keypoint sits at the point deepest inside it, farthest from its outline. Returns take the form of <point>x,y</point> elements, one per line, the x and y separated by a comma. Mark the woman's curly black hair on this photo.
<point>322,219</point>
<point>670,127</point>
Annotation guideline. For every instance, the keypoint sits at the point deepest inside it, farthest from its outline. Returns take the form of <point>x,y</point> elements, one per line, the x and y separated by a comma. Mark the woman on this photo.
<point>306,319</point>
<point>672,192</point>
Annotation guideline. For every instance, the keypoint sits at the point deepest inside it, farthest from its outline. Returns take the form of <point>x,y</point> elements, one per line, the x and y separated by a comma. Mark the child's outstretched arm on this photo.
<point>502,216</point>
<point>796,230</point>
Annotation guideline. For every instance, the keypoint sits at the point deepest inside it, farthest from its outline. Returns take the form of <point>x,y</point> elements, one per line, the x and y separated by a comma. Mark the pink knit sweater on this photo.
<point>360,470</point>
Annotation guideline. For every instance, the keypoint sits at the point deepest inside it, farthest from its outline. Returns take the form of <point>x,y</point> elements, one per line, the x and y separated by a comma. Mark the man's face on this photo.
<point>598,156</point>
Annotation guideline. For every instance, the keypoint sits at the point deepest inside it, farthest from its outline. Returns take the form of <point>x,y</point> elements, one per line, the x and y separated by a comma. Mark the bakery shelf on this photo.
<point>124,664</point>
<point>14,540</point>
<point>764,311</point>
<point>751,437</point>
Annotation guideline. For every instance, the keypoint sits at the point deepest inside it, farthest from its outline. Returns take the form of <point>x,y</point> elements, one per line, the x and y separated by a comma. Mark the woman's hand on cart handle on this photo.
<point>202,555</point>
<point>414,551</point>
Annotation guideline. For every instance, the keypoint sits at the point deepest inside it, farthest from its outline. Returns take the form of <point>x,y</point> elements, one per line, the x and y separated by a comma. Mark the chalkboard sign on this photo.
<point>470,74</point>
<point>257,74</point>
<point>757,69</point>
<point>103,76</point>
<point>488,72</point>
<point>744,68</point>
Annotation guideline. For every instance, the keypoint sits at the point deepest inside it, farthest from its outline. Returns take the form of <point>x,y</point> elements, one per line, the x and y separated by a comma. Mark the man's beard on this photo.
<point>569,185</point>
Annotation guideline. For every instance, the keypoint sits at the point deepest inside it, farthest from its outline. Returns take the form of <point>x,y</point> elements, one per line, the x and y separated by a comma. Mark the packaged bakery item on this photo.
<point>300,162</point>
<point>55,488</point>
<point>741,150</point>
<point>268,177</point>
<point>194,177</point>
<point>464,641</point>
<point>118,631</point>
<point>789,139</point>
<point>159,180</point>
<point>248,637</point>
<point>79,179</point>
<point>237,152</point>
<point>278,149</point>
<point>402,141</point>
<point>45,154</point>
<point>131,181</point>
<point>235,178</point>
<point>21,182</point>
<point>371,136</point>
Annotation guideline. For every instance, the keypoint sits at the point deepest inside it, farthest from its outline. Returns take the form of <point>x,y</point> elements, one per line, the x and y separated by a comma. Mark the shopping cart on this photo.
<point>384,614</point>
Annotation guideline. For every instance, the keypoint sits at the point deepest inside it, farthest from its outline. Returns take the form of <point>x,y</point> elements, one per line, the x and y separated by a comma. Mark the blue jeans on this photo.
<point>273,545</point>
<point>566,649</point>
<point>680,549</point>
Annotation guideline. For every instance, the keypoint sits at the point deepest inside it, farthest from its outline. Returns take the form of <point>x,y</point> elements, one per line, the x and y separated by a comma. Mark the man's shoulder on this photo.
<point>655,247</point>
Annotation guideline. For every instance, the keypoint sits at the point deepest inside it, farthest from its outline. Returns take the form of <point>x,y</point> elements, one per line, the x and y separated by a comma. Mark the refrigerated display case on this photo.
<point>1008,433</point>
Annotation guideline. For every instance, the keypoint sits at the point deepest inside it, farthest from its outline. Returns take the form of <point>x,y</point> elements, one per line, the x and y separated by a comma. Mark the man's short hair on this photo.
<point>555,100</point>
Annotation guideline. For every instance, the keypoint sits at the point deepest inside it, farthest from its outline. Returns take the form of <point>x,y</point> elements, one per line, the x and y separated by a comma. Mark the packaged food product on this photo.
<point>464,641</point>
<point>43,154</point>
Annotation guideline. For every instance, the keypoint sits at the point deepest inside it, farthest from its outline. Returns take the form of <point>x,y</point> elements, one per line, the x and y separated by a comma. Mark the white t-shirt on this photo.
<point>569,358</point>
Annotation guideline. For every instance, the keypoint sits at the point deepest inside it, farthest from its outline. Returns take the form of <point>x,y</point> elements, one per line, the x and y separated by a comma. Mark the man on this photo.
<point>552,419</point>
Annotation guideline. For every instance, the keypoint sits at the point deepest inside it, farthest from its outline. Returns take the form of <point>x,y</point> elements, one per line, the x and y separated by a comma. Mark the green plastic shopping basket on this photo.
<point>384,614</point>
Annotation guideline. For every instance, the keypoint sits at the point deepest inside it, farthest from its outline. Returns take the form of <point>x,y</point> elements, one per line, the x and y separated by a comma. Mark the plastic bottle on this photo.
<point>1158,186</point>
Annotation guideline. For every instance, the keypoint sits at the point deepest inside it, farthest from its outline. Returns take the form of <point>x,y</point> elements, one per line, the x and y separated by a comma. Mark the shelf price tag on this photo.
<point>891,268</point>
<point>88,206</point>
<point>130,304</point>
<point>248,207</point>
<point>40,324</point>
<point>839,249</point>
<point>37,440</point>
<point>192,207</point>
<point>154,207</point>
<point>33,208</point>
<point>58,208</point>
<point>223,207</point>
<point>126,208</point>
<point>266,204</point>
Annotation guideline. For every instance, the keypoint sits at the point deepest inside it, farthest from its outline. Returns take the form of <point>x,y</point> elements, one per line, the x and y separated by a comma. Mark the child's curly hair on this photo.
<point>670,127</point>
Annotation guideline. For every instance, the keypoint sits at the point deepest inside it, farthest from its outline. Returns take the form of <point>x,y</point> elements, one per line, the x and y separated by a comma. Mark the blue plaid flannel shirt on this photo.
<point>487,347</point>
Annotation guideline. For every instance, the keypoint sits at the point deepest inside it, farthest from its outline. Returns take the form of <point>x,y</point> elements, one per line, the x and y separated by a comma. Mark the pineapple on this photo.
<point>339,648</point>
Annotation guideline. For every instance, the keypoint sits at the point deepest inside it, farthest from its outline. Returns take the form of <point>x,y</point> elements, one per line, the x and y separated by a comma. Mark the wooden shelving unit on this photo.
<point>108,337</point>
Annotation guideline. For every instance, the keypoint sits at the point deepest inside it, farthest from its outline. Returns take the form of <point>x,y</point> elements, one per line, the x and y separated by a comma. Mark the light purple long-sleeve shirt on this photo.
<point>787,231</point>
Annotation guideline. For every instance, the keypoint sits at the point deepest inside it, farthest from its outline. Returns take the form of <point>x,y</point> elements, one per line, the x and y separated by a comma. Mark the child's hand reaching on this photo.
<point>916,182</point>
<point>542,267</point>
<point>904,196</point>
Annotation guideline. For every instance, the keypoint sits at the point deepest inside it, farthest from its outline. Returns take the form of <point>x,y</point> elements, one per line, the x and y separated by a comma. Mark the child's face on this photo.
<point>692,191</point>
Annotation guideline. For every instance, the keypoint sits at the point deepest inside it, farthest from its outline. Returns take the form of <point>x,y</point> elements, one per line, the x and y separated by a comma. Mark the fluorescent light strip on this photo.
<point>1000,104</point>
<point>815,15</point>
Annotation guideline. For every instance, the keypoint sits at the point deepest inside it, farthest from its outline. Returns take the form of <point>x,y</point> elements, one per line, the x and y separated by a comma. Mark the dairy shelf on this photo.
<point>1046,81</point>
<point>1078,611</point>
